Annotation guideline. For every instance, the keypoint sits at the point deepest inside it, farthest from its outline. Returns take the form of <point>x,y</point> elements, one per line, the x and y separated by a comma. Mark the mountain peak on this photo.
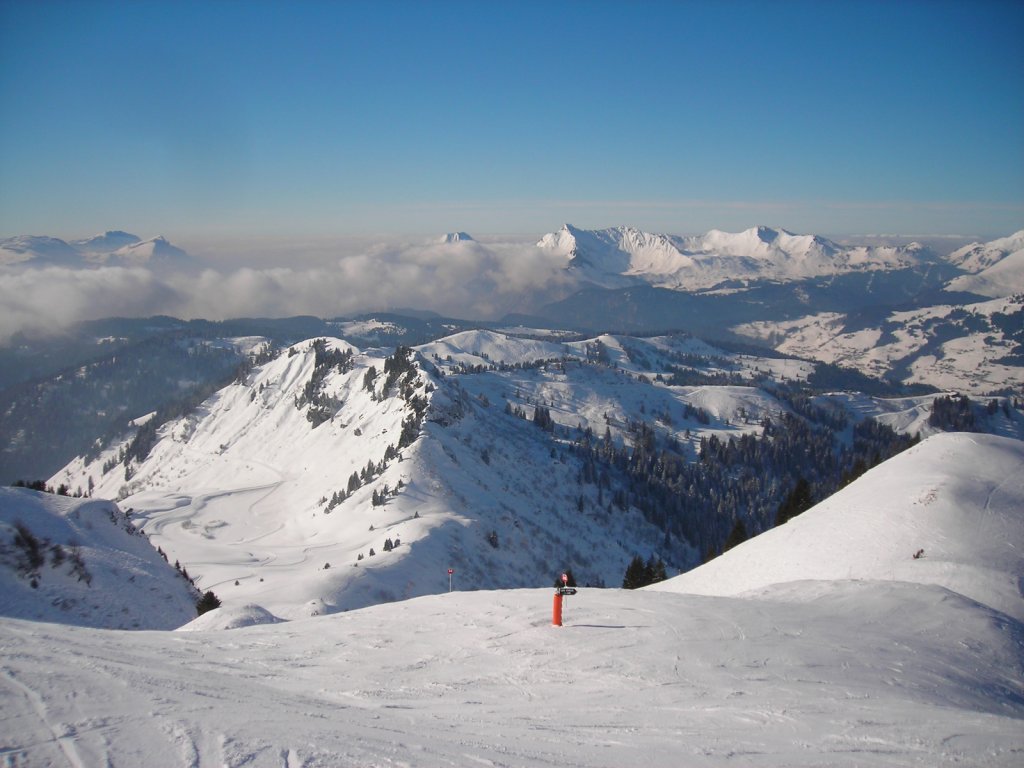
<point>109,241</point>
<point>766,234</point>
<point>457,237</point>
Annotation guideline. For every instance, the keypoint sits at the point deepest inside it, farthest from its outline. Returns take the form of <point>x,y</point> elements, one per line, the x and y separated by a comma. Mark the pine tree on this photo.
<point>636,575</point>
<point>737,535</point>
<point>799,500</point>
<point>207,602</point>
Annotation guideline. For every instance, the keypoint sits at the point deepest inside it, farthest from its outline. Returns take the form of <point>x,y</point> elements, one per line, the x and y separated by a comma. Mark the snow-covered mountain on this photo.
<point>835,646</point>
<point>156,251</point>
<point>333,478</point>
<point>975,348</point>
<point>255,490</point>
<point>995,268</point>
<point>112,248</point>
<point>456,237</point>
<point>108,242</point>
<point>37,250</point>
<point>977,257</point>
<point>83,562</point>
<point>1004,278</point>
<point>622,256</point>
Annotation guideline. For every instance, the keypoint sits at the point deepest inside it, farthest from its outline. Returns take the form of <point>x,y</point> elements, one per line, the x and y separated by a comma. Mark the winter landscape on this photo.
<point>449,384</point>
<point>867,612</point>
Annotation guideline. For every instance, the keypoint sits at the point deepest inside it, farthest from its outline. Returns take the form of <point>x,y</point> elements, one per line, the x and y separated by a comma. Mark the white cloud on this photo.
<point>463,279</point>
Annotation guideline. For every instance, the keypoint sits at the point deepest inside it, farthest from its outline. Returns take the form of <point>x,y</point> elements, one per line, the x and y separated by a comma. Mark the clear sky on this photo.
<point>231,119</point>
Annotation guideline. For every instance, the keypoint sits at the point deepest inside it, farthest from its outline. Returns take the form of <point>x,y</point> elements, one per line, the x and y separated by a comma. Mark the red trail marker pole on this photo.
<point>556,610</point>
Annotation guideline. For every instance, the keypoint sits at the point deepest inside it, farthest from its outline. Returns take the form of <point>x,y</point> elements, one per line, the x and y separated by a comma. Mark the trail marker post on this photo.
<point>560,593</point>
<point>450,572</point>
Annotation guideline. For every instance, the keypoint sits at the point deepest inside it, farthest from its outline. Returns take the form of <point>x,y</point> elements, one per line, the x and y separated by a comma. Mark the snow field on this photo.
<point>854,674</point>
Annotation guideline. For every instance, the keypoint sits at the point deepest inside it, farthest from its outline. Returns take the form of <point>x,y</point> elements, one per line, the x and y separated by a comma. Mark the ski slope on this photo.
<point>841,678</point>
<point>823,642</point>
<point>956,498</point>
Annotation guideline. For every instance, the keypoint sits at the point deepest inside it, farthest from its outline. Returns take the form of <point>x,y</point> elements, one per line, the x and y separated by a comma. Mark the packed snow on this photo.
<point>839,649</point>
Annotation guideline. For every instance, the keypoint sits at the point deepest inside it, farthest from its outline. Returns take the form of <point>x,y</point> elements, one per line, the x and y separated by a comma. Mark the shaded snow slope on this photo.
<point>957,497</point>
<point>93,568</point>
<point>841,678</point>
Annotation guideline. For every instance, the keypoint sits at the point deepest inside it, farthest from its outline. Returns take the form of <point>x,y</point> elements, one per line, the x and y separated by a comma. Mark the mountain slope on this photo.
<point>1001,279</point>
<point>112,248</point>
<point>842,678</point>
<point>977,257</point>
<point>284,483</point>
<point>975,348</point>
<point>956,498</point>
<point>83,562</point>
<point>37,251</point>
<point>108,242</point>
<point>156,251</point>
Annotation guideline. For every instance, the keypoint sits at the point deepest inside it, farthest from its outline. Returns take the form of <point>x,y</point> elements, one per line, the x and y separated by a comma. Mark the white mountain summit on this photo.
<point>456,237</point>
<point>622,256</point>
<point>112,248</point>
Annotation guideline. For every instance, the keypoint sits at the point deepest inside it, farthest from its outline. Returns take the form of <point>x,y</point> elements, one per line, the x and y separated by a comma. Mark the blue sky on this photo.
<point>232,119</point>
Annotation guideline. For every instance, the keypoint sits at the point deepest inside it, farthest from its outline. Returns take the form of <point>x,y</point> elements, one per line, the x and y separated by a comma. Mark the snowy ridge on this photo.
<point>112,248</point>
<point>622,256</point>
<point>1004,278</point>
<point>977,257</point>
<point>247,490</point>
<point>107,242</point>
<point>956,499</point>
<point>96,569</point>
<point>37,251</point>
<point>154,251</point>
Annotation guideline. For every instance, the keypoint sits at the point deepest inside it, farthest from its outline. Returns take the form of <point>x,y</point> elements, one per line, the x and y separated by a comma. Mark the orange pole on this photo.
<point>556,611</point>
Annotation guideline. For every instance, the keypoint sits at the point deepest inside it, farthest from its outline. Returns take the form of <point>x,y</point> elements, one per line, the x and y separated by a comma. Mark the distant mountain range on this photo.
<point>112,248</point>
<point>624,256</point>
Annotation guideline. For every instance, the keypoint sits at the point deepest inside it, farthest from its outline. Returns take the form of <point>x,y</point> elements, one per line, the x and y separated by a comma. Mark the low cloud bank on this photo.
<point>463,279</point>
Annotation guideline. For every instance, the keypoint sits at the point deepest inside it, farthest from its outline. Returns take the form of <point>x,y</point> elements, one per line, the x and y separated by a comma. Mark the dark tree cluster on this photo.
<point>31,553</point>
<point>207,602</point>
<point>744,479</point>
<point>66,411</point>
<point>640,573</point>
<point>322,407</point>
<point>953,413</point>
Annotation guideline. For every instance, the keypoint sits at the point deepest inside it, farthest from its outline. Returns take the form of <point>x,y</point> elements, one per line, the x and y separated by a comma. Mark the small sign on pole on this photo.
<point>450,572</point>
